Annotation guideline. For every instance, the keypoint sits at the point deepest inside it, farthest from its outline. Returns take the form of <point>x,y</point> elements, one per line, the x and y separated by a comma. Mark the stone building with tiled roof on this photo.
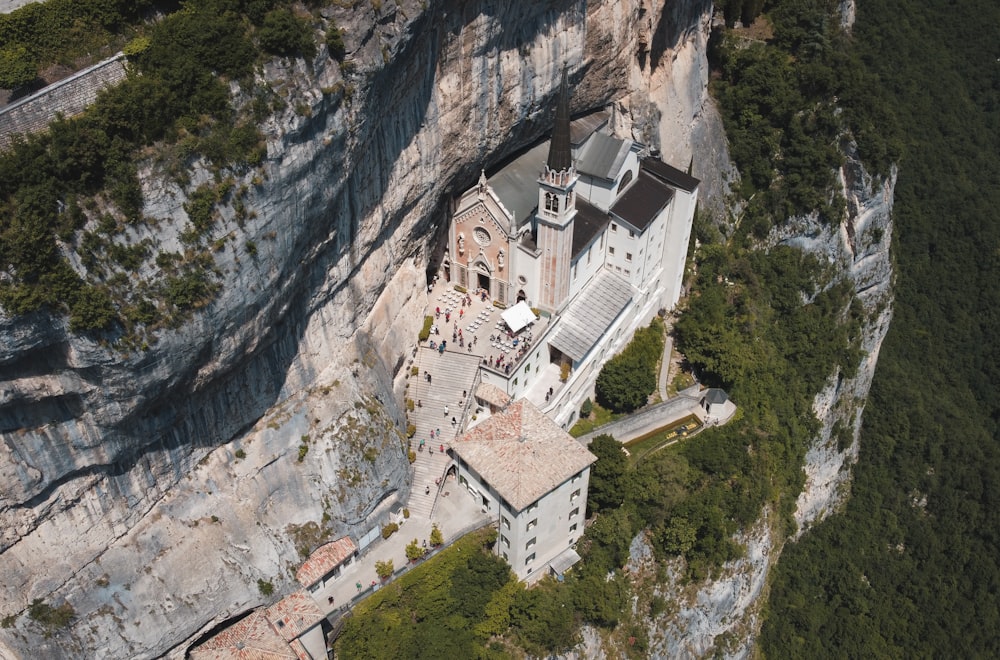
<point>294,628</point>
<point>324,564</point>
<point>532,477</point>
<point>594,234</point>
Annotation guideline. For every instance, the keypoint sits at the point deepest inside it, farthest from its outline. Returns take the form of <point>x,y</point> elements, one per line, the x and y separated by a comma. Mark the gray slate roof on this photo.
<point>591,313</point>
<point>517,183</point>
<point>670,174</point>
<point>603,156</point>
<point>581,128</point>
<point>643,200</point>
<point>587,224</point>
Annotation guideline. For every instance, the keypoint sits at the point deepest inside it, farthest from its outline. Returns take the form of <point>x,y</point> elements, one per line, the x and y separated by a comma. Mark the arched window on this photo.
<point>551,202</point>
<point>625,181</point>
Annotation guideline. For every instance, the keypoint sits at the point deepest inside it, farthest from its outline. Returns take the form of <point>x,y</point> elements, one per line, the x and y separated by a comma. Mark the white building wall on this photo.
<point>551,520</point>
<point>528,266</point>
<point>675,245</point>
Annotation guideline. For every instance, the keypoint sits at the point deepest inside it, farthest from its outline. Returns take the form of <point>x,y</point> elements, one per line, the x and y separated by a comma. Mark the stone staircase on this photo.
<point>451,374</point>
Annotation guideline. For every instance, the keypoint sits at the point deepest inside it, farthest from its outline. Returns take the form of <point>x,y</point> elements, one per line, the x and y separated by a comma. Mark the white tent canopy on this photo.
<point>518,316</point>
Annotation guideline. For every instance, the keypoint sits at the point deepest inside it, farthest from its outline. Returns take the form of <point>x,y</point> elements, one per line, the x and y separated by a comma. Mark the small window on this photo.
<point>589,252</point>
<point>614,227</point>
<point>572,528</point>
<point>530,558</point>
<point>505,541</point>
<point>628,256</point>
<point>631,234</point>
<point>574,512</point>
<point>574,271</point>
<point>505,557</point>
<point>527,546</point>
<point>611,249</point>
<point>628,272</point>
<point>577,476</point>
<point>531,525</point>
<point>506,523</point>
<point>532,508</point>
<point>576,494</point>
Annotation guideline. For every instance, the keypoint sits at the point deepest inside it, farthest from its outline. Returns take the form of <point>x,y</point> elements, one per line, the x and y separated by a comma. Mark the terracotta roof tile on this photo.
<point>325,559</point>
<point>251,638</point>
<point>294,614</point>
<point>522,453</point>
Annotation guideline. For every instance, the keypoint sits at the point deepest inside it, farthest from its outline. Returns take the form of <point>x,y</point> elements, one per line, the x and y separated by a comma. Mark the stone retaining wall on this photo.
<point>69,97</point>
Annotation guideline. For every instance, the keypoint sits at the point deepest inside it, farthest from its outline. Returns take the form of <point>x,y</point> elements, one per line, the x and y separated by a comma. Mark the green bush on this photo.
<point>17,68</point>
<point>283,33</point>
<point>335,43</point>
<point>384,569</point>
<point>265,587</point>
<point>51,617</point>
<point>627,380</point>
<point>425,331</point>
<point>586,409</point>
<point>413,550</point>
<point>389,530</point>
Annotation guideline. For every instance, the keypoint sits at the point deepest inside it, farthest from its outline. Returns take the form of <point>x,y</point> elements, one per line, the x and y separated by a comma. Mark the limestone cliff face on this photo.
<point>152,490</point>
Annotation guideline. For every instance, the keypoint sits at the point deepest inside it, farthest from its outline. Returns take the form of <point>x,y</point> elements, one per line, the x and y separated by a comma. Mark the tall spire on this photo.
<point>560,156</point>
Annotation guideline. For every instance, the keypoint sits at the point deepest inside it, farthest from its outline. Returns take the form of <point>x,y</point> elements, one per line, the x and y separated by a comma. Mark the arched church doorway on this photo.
<point>484,281</point>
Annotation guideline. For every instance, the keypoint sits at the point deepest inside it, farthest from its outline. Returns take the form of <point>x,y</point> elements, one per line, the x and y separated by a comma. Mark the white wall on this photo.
<point>551,532</point>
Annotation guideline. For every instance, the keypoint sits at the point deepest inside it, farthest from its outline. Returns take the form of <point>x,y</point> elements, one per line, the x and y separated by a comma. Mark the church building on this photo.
<point>588,230</point>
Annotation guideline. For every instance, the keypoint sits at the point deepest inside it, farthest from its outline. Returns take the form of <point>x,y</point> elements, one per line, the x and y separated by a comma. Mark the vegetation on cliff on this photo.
<point>911,567</point>
<point>70,199</point>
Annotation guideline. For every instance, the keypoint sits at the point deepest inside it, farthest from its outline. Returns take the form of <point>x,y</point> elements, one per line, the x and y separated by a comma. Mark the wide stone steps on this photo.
<point>452,373</point>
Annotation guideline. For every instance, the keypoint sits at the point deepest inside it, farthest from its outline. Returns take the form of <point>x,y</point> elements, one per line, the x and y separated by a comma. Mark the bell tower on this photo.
<point>557,209</point>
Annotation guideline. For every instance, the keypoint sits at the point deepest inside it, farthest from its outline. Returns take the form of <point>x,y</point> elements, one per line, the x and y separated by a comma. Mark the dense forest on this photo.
<point>910,568</point>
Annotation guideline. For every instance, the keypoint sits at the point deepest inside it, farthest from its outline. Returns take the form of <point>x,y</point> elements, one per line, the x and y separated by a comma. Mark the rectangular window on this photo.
<point>631,234</point>
<point>576,478</point>
<point>529,559</point>
<point>527,546</point>
<point>532,508</point>
<point>614,227</point>
<point>505,541</point>
<point>574,271</point>
<point>628,272</point>
<point>531,525</point>
<point>505,557</point>
<point>628,256</point>
<point>506,523</point>
<point>589,252</point>
<point>572,528</point>
<point>574,512</point>
<point>611,249</point>
<point>576,494</point>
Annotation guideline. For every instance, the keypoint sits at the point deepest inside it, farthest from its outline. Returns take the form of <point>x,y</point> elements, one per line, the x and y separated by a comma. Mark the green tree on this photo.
<point>384,569</point>
<point>607,475</point>
<point>624,383</point>
<point>283,33</point>
<point>17,68</point>
<point>413,550</point>
<point>437,538</point>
